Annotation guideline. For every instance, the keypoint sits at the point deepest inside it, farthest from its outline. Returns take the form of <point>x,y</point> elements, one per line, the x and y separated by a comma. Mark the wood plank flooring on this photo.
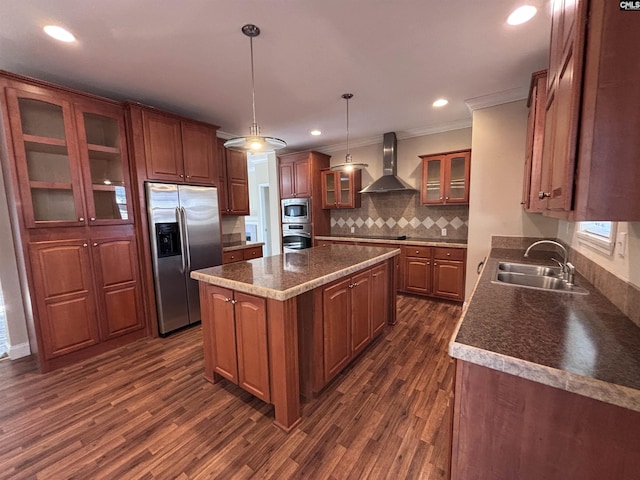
<point>145,412</point>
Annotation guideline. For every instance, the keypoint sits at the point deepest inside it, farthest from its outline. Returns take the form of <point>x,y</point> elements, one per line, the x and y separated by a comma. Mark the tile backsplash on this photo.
<point>400,213</point>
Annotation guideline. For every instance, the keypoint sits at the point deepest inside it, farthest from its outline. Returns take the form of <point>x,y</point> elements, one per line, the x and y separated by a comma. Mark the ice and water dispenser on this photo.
<point>168,239</point>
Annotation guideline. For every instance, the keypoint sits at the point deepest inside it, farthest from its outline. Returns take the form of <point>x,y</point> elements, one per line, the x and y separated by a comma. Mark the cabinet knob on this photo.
<point>93,219</point>
<point>417,251</point>
<point>181,176</point>
<point>81,219</point>
<point>233,302</point>
<point>542,195</point>
<point>448,254</point>
<point>227,299</point>
<point>188,176</point>
<point>428,263</point>
<point>374,275</point>
<point>441,198</point>
<point>85,245</point>
<point>446,198</point>
<point>95,244</point>
<point>435,264</point>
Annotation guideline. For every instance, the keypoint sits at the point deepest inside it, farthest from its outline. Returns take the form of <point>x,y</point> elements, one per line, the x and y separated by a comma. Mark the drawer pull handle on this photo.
<point>448,254</point>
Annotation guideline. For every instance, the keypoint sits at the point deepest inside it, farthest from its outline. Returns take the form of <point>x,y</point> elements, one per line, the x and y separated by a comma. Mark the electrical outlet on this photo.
<point>443,232</point>
<point>353,229</point>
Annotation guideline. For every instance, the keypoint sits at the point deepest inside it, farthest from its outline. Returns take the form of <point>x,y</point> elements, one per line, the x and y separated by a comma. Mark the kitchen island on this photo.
<point>287,324</point>
<point>547,383</point>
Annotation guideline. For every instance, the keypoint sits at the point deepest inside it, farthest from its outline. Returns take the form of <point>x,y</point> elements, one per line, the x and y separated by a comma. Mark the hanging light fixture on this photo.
<point>254,142</point>
<point>348,164</point>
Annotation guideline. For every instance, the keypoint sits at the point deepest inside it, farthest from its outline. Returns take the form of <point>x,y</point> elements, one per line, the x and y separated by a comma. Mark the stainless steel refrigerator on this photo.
<point>184,226</point>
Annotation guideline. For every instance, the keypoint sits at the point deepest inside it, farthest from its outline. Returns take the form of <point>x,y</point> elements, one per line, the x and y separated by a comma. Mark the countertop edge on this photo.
<point>588,387</point>
<point>282,295</point>
<point>429,243</point>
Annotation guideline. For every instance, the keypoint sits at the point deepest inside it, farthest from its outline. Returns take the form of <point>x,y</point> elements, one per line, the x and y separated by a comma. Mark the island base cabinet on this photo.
<point>506,427</point>
<point>235,337</point>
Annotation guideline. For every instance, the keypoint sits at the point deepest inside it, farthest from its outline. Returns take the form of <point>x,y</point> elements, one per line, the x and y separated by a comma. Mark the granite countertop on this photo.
<point>579,343</point>
<point>239,245</point>
<point>289,274</point>
<point>440,242</point>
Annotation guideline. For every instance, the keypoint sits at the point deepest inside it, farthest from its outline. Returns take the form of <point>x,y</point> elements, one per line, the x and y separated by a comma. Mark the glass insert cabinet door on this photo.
<point>45,148</point>
<point>457,188</point>
<point>104,163</point>
<point>433,181</point>
<point>329,189</point>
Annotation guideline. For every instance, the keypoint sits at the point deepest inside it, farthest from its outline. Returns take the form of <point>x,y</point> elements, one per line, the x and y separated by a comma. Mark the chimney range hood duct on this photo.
<point>389,182</point>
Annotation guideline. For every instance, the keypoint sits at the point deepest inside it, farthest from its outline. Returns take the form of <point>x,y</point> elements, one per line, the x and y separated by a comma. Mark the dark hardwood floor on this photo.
<point>145,412</point>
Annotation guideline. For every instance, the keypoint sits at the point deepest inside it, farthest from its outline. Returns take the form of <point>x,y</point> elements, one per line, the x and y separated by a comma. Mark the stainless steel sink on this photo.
<point>527,269</point>
<point>537,282</point>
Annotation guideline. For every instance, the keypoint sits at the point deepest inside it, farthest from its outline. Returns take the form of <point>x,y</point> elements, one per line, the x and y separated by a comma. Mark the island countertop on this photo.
<point>578,343</point>
<point>287,275</point>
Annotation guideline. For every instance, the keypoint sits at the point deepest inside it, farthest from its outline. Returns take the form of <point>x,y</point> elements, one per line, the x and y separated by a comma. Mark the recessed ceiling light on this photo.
<point>59,33</point>
<point>441,102</point>
<point>315,133</point>
<point>522,15</point>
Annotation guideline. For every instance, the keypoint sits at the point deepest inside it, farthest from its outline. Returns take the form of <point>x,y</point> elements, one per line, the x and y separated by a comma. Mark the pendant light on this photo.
<point>348,164</point>
<point>254,142</point>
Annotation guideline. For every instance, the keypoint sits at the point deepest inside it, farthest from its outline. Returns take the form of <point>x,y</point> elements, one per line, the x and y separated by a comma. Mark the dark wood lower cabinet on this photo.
<point>87,291</point>
<point>437,271</point>
<point>506,427</point>
<point>64,296</point>
<point>379,298</point>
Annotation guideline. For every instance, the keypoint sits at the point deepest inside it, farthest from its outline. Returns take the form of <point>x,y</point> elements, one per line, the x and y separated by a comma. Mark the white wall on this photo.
<point>17,336</point>
<point>497,168</point>
<point>625,261</point>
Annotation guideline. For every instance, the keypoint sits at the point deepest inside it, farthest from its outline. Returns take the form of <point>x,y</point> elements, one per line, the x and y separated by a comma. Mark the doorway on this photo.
<point>265,217</point>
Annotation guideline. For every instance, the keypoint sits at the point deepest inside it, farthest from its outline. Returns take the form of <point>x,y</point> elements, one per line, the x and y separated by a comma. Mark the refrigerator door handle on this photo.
<point>186,238</point>
<point>183,243</point>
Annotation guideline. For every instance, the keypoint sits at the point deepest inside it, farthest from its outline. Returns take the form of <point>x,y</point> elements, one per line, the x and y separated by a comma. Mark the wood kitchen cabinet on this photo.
<point>532,184</point>
<point>240,254</point>
<point>445,178</point>
<point>379,297</point>
<point>347,321</point>
<point>236,334</point>
<point>178,150</point>
<point>73,314</point>
<point>590,166</point>
<point>71,160</point>
<point>233,185</point>
<point>434,271</point>
<point>295,176</point>
<point>68,163</point>
<point>299,176</point>
<point>340,189</point>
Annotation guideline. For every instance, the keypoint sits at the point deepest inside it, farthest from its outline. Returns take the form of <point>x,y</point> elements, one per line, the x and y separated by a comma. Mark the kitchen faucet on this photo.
<point>566,268</point>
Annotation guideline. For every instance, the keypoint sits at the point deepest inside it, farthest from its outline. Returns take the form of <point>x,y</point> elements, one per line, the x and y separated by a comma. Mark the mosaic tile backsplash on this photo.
<point>400,213</point>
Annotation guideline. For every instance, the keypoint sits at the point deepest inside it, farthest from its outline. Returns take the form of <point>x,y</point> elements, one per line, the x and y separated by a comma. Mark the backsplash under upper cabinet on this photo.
<point>400,213</point>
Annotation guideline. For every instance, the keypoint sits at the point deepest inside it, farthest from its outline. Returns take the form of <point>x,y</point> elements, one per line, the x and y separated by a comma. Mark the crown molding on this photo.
<point>401,135</point>
<point>498,98</point>
<point>225,135</point>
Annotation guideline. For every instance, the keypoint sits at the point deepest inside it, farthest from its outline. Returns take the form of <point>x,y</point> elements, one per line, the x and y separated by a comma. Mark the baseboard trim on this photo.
<point>19,351</point>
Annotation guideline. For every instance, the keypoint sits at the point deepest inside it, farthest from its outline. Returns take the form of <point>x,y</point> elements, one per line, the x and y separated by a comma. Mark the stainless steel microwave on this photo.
<point>296,210</point>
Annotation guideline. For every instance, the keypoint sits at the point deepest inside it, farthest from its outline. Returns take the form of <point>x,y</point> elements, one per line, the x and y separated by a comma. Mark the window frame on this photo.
<point>600,243</point>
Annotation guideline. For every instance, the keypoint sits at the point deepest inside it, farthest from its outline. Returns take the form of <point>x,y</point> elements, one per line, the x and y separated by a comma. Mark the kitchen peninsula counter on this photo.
<point>547,383</point>
<point>287,324</point>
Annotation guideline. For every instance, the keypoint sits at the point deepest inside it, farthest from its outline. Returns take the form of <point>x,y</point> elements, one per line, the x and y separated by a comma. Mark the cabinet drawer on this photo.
<point>448,253</point>
<point>233,256</point>
<point>249,253</point>
<point>421,252</point>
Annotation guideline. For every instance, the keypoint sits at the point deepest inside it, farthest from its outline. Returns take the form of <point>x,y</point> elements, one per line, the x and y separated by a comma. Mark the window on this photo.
<point>600,236</point>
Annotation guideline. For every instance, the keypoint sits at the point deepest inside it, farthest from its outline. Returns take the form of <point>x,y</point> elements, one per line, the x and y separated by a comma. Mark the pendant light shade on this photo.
<point>348,165</point>
<point>254,142</point>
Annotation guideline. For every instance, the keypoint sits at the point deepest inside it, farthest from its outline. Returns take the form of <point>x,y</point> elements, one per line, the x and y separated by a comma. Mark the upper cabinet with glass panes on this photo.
<point>70,159</point>
<point>445,178</point>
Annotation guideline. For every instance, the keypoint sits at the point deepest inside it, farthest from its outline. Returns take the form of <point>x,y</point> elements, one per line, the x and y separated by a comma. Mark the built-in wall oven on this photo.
<point>296,210</point>
<point>296,236</point>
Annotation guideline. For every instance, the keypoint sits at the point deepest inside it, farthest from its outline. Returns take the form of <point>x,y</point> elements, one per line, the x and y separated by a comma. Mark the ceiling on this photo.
<point>190,57</point>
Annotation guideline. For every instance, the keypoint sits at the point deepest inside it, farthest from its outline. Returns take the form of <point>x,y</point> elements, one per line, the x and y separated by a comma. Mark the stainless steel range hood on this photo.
<point>389,182</point>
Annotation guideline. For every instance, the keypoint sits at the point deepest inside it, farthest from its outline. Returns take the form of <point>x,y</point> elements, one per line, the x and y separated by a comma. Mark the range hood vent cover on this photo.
<point>389,182</point>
